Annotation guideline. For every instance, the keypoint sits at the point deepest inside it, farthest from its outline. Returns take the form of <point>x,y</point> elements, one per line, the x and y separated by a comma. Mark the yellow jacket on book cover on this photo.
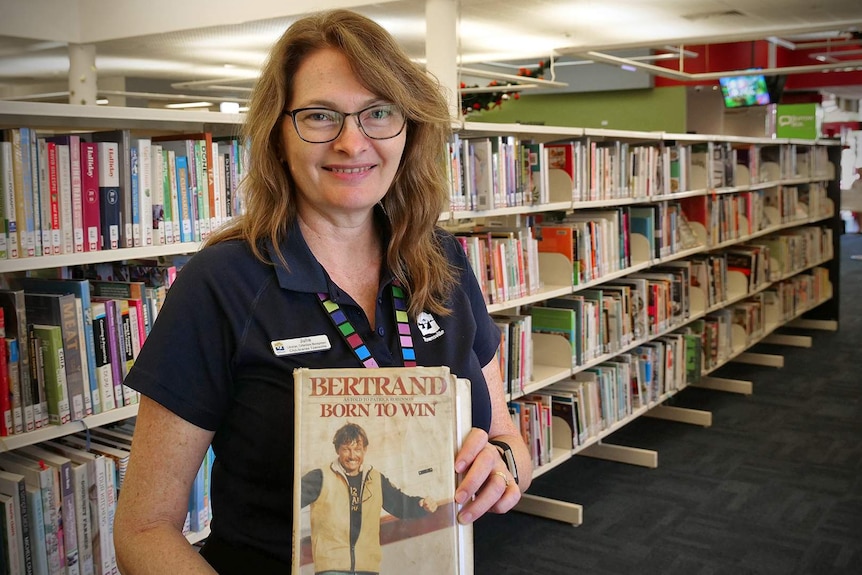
<point>375,471</point>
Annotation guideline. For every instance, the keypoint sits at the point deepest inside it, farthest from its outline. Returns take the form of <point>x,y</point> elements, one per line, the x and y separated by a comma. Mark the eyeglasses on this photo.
<point>322,125</point>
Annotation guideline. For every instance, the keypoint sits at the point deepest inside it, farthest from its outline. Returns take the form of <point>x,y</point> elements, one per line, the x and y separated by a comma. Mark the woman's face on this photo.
<point>353,172</point>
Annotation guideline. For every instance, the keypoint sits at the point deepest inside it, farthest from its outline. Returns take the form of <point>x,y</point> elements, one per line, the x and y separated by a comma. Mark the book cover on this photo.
<point>362,451</point>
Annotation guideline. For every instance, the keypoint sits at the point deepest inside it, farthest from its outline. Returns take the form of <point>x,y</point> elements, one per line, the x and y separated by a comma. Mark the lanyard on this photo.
<point>355,341</point>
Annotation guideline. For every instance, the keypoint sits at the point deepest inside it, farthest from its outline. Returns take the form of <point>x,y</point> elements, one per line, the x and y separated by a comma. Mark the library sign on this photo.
<point>796,121</point>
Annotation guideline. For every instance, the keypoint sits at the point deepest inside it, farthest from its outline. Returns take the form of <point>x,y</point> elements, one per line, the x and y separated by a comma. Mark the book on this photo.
<point>13,485</point>
<point>53,355</point>
<point>10,560</point>
<point>109,195</point>
<point>91,215</point>
<point>382,419</point>
<point>103,360</point>
<point>120,141</point>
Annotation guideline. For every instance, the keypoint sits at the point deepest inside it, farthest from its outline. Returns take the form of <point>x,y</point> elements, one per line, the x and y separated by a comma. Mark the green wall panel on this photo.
<point>661,109</point>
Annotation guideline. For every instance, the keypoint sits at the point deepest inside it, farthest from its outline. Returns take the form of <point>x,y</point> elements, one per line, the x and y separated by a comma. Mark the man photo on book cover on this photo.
<point>346,499</point>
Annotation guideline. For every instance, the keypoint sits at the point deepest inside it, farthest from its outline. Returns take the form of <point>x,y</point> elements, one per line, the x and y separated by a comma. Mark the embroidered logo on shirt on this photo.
<point>297,345</point>
<point>428,326</point>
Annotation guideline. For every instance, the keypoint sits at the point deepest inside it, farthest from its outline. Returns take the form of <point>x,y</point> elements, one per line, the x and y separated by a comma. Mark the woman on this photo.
<point>343,190</point>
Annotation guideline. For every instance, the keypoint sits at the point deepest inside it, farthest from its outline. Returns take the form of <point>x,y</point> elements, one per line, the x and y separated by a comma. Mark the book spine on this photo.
<point>116,354</point>
<point>73,350</point>
<point>109,194</point>
<point>14,364</point>
<point>8,198</point>
<point>33,400</point>
<point>64,180</point>
<point>77,194</point>
<point>134,167</point>
<point>39,543</point>
<point>83,525</point>
<point>70,522</point>
<point>51,341</point>
<point>22,180</point>
<point>183,199</point>
<point>145,177</point>
<point>91,218</point>
<point>102,351</point>
<point>6,426</point>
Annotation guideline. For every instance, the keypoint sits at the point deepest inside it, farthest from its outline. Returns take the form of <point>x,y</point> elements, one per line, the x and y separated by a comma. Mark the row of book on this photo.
<point>58,499</point>
<point>505,171</point>
<point>505,261</point>
<point>73,193</point>
<point>572,412</point>
<point>731,217</point>
<point>69,343</point>
<point>601,242</point>
<point>611,316</point>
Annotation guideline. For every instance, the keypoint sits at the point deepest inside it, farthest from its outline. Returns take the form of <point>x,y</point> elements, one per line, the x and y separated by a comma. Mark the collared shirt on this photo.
<point>211,359</point>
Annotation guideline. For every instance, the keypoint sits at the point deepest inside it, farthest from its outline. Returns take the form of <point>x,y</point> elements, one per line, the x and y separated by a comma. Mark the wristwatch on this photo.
<point>508,457</point>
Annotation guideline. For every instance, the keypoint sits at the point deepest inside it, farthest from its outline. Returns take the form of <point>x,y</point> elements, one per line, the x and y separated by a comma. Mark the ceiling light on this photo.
<point>102,102</point>
<point>182,105</point>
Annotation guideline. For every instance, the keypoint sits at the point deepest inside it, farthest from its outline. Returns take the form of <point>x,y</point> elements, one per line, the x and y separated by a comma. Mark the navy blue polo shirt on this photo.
<point>209,358</point>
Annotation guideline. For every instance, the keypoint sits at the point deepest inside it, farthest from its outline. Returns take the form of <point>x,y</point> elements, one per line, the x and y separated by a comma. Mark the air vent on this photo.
<point>711,15</point>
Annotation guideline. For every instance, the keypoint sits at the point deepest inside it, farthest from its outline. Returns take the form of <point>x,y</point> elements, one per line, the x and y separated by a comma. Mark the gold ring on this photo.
<point>503,475</point>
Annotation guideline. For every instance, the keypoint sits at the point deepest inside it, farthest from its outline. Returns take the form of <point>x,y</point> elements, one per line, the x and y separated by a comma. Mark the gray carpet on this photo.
<point>773,487</point>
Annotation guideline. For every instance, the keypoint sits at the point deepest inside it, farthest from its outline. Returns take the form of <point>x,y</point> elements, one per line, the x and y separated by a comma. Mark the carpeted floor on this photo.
<point>773,487</point>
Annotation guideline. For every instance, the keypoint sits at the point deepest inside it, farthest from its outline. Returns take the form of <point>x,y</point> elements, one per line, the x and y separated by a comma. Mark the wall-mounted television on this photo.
<point>741,91</point>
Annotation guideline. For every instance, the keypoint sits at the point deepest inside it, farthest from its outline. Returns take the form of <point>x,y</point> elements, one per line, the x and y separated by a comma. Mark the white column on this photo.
<point>441,48</point>
<point>82,74</point>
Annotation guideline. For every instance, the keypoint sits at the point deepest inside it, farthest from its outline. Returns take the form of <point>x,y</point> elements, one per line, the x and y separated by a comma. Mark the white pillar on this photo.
<point>82,74</point>
<point>441,48</point>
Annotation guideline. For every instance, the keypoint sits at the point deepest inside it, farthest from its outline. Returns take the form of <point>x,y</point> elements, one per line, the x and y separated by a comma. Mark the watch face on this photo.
<point>508,458</point>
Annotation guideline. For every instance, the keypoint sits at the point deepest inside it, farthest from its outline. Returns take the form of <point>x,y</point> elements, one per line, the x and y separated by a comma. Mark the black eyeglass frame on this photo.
<point>292,114</point>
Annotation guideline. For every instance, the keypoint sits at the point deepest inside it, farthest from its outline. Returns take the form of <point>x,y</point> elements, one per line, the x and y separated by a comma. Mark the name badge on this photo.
<point>299,345</point>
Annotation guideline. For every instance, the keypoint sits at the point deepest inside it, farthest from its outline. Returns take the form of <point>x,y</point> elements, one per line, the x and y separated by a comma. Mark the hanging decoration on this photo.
<point>489,98</point>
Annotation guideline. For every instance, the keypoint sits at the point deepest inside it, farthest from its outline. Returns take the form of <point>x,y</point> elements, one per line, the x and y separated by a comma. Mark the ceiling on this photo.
<point>165,42</point>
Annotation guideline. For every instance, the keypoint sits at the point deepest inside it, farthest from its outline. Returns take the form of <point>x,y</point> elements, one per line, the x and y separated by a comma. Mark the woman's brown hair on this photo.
<point>419,190</point>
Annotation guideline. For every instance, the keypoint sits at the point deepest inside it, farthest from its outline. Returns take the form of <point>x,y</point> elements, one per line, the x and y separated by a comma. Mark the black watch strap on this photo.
<point>508,457</point>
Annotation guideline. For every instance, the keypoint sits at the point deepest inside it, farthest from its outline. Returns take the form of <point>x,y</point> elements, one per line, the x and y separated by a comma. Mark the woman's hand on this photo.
<point>486,483</point>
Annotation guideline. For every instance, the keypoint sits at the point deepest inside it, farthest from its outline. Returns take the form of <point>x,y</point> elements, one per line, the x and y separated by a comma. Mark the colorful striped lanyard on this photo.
<point>355,341</point>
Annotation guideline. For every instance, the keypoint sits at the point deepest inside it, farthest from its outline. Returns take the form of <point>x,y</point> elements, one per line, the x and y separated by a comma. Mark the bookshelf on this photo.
<point>50,119</point>
<point>578,193</point>
<point>784,170</point>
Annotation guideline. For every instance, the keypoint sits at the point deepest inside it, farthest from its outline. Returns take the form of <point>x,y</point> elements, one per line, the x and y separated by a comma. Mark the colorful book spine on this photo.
<point>53,356</point>
<point>91,216</point>
<point>102,348</point>
<point>109,194</point>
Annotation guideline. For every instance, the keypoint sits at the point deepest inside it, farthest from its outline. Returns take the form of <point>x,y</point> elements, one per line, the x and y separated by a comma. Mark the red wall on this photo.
<point>742,55</point>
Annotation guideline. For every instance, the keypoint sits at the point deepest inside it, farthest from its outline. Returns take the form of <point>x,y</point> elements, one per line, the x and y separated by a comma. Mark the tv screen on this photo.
<point>740,91</point>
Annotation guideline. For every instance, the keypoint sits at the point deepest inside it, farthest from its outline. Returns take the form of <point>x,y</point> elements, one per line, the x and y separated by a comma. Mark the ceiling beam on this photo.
<point>709,76</point>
